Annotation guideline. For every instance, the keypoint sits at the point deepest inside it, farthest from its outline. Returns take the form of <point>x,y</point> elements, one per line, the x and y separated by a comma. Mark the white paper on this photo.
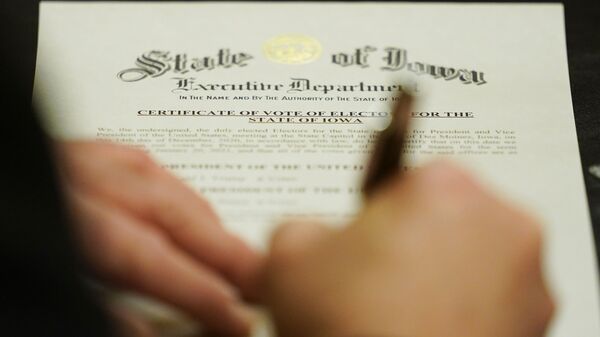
<point>493,90</point>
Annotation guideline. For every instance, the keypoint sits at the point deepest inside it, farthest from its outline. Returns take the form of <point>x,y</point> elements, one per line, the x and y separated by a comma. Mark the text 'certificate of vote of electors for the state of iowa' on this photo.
<point>270,110</point>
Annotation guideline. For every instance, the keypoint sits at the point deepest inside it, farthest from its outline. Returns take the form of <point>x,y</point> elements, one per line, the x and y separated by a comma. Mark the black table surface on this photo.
<point>583,46</point>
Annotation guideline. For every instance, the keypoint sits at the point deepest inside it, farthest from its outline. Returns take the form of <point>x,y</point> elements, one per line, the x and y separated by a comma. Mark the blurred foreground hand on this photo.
<point>432,254</point>
<point>142,228</point>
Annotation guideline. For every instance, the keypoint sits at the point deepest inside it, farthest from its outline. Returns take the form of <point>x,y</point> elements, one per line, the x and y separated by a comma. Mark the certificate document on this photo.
<point>270,110</point>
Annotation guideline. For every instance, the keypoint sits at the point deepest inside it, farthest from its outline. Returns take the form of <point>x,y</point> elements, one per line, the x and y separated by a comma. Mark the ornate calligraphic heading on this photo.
<point>156,63</point>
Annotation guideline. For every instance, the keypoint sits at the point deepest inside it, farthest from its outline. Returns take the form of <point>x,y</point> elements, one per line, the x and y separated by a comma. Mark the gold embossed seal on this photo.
<point>292,49</point>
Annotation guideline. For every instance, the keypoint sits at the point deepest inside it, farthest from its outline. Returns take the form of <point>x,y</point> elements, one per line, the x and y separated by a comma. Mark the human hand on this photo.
<point>432,254</point>
<point>141,228</point>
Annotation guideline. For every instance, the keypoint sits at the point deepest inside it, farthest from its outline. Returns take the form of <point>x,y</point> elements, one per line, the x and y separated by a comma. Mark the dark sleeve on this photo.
<point>41,289</point>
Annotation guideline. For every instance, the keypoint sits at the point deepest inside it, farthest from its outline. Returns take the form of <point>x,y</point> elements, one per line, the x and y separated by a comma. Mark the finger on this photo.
<point>134,182</point>
<point>181,212</point>
<point>215,245</point>
<point>137,256</point>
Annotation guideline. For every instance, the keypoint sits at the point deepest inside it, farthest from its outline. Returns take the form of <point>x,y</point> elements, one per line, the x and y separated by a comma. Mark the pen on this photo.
<point>386,159</point>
